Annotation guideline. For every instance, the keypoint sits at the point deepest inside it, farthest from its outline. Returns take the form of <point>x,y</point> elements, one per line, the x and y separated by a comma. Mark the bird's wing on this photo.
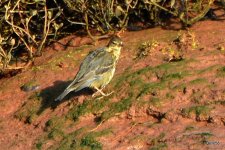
<point>87,64</point>
<point>107,64</point>
<point>87,67</point>
<point>99,65</point>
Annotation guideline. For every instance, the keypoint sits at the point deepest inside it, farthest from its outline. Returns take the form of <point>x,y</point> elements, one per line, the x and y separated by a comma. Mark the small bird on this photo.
<point>97,69</point>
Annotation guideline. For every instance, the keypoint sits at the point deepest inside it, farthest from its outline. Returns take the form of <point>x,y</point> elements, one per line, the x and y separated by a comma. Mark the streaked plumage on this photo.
<point>97,69</point>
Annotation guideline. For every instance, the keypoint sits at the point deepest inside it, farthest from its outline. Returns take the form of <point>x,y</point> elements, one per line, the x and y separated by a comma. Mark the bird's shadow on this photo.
<point>49,94</point>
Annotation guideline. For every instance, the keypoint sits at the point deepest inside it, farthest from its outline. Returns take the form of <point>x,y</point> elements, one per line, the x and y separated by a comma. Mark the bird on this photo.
<point>97,69</point>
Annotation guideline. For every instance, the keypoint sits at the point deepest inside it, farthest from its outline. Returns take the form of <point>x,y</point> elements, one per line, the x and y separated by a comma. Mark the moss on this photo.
<point>204,134</point>
<point>39,145</point>
<point>158,142</point>
<point>159,146</point>
<point>196,137</point>
<point>197,110</point>
<point>144,70</point>
<point>71,140</point>
<point>198,81</point>
<point>174,65</point>
<point>221,102</point>
<point>55,123</point>
<point>132,78</point>
<point>37,68</point>
<point>151,87</point>
<point>166,72</point>
<point>78,139</point>
<point>165,66</point>
<point>137,138</point>
<point>155,101</point>
<point>138,85</point>
<point>31,118</point>
<point>90,139</point>
<point>197,96</point>
<point>172,76</point>
<point>189,128</point>
<point>55,126</point>
<point>221,72</point>
<point>56,134</point>
<point>116,107</point>
<point>179,87</point>
<point>78,111</point>
<point>169,95</point>
<point>81,139</point>
<point>91,142</point>
<point>208,69</point>
<point>136,82</point>
<point>89,106</point>
<point>28,112</point>
<point>119,81</point>
<point>172,71</point>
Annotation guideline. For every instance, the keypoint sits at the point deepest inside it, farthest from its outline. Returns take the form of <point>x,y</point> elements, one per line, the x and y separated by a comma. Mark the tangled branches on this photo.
<point>25,26</point>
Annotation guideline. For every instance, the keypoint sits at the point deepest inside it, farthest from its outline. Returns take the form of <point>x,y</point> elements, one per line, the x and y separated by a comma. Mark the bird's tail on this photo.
<point>74,86</point>
<point>61,96</point>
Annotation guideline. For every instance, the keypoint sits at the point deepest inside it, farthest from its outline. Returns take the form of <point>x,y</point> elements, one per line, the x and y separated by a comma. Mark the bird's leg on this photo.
<point>100,91</point>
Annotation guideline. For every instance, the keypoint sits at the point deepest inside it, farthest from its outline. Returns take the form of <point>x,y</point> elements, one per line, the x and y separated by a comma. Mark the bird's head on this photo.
<point>114,46</point>
<point>115,42</point>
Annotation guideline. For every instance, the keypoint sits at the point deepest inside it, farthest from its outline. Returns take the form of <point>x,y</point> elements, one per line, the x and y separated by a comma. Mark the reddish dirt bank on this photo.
<point>184,109</point>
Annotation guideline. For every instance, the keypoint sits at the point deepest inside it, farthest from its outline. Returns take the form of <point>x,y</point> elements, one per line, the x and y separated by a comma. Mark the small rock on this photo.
<point>131,112</point>
<point>171,116</point>
<point>30,86</point>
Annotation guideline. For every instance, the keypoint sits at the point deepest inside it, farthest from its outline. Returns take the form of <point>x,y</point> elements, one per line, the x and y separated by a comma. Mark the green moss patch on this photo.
<point>198,111</point>
<point>81,139</point>
<point>89,106</point>
<point>221,72</point>
<point>28,111</point>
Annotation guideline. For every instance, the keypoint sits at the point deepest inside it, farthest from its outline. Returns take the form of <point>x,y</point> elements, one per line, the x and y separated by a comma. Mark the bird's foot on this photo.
<point>109,93</point>
<point>101,92</point>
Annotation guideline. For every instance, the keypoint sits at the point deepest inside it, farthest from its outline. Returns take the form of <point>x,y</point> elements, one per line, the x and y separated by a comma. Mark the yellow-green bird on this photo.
<point>97,69</point>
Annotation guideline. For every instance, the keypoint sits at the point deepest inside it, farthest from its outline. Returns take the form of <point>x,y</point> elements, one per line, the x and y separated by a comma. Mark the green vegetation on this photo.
<point>195,137</point>
<point>39,145</point>
<point>221,72</point>
<point>197,111</point>
<point>116,108</point>
<point>199,81</point>
<point>158,143</point>
<point>197,96</point>
<point>79,139</point>
<point>189,128</point>
<point>89,106</point>
<point>28,112</point>
<point>208,69</point>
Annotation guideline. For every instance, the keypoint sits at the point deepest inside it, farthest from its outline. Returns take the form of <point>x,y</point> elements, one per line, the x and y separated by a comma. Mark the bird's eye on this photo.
<point>114,42</point>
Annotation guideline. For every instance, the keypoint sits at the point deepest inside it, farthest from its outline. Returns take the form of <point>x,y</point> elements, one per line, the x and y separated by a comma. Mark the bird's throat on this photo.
<point>115,51</point>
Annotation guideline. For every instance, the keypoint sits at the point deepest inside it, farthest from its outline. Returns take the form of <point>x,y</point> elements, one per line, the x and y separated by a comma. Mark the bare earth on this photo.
<point>169,93</point>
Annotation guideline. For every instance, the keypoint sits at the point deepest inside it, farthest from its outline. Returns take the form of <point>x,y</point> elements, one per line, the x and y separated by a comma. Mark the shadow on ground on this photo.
<point>49,94</point>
